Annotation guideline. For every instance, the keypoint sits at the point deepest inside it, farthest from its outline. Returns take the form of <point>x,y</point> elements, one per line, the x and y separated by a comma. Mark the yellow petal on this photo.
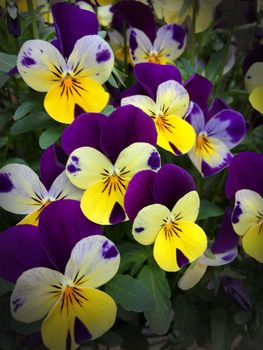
<point>149,222</point>
<point>187,207</point>
<point>172,250</point>
<point>256,99</point>
<point>253,242</point>
<point>62,98</point>
<point>192,276</point>
<point>174,134</point>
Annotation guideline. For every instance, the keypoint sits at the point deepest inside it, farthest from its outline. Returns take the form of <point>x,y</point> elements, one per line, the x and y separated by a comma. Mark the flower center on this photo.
<point>162,123</point>
<point>154,58</point>
<point>68,80</point>
<point>171,226</point>
<point>115,180</point>
<point>203,142</point>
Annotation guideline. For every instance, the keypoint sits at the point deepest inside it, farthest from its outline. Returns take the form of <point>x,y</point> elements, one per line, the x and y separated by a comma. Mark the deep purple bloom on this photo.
<point>165,187</point>
<point>61,225</point>
<point>245,172</point>
<point>235,290</point>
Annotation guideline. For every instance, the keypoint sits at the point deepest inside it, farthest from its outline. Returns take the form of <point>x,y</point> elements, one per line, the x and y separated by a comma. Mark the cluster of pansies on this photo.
<point>139,153</point>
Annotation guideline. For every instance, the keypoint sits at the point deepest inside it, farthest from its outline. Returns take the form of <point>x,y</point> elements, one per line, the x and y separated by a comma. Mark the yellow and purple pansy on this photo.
<point>253,69</point>
<point>214,138</point>
<point>222,251</point>
<point>66,281</point>
<point>75,81</point>
<point>167,109</point>
<point>246,188</point>
<point>104,154</point>
<point>22,192</point>
<point>164,207</point>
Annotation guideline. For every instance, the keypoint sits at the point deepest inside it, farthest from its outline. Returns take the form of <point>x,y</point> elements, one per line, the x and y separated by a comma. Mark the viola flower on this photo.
<point>116,41</point>
<point>247,221</point>
<point>21,191</point>
<point>60,285</point>
<point>146,44</point>
<point>165,207</point>
<point>214,138</point>
<point>221,252</point>
<point>103,12</point>
<point>254,85</point>
<point>171,12</point>
<point>168,45</point>
<point>75,81</point>
<point>167,110</point>
<point>105,153</point>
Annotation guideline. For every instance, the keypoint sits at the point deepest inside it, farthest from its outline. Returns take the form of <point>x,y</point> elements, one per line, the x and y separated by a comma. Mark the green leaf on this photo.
<point>219,329</point>
<point>119,75</point>
<point>184,7</point>
<point>3,79</point>
<point>33,121</point>
<point>108,110</point>
<point>160,316</point>
<point>209,210</point>
<point>213,67</point>
<point>186,66</point>
<point>130,293</point>
<point>113,82</point>
<point>102,34</point>
<point>132,261</point>
<point>3,141</point>
<point>7,62</point>
<point>23,109</point>
<point>50,136</point>
<point>5,286</point>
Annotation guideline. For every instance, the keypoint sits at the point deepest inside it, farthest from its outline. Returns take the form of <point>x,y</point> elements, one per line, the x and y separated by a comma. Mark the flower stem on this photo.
<point>226,49</point>
<point>192,37</point>
<point>33,19</point>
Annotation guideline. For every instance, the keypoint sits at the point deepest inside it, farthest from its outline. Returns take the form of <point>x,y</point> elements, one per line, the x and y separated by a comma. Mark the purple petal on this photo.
<point>62,224</point>
<point>228,126</point>
<point>136,89</point>
<point>84,131</point>
<point>170,184</point>
<point>199,89</point>
<point>254,55</point>
<point>13,71</point>
<point>245,172</point>
<point>72,23</point>
<point>207,170</point>
<point>139,192</point>
<point>151,75</point>
<point>137,15</point>
<point>126,125</point>
<point>181,258</point>
<point>52,162</point>
<point>195,117</point>
<point>117,214</point>
<point>20,250</point>
<point>235,290</point>
<point>226,238</point>
<point>217,105</point>
<point>81,332</point>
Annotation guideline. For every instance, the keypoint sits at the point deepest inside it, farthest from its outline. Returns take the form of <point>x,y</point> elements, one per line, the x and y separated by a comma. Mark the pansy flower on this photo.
<point>247,221</point>
<point>215,138</point>
<point>104,13</point>
<point>146,44</point>
<point>72,81</point>
<point>254,85</point>
<point>222,251</point>
<point>22,192</point>
<point>105,153</point>
<point>167,107</point>
<point>171,12</point>
<point>60,285</point>
<point>164,206</point>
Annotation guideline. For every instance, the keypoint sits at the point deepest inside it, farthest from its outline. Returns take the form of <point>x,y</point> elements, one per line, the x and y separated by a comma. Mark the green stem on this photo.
<point>192,37</point>
<point>224,59</point>
<point>124,29</point>
<point>33,19</point>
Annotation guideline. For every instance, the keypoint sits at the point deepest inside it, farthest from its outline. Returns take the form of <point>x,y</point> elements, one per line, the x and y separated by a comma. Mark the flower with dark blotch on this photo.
<point>164,206</point>
<point>60,285</point>
<point>74,78</point>
<point>105,153</point>
<point>222,251</point>
<point>22,192</point>
<point>215,137</point>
